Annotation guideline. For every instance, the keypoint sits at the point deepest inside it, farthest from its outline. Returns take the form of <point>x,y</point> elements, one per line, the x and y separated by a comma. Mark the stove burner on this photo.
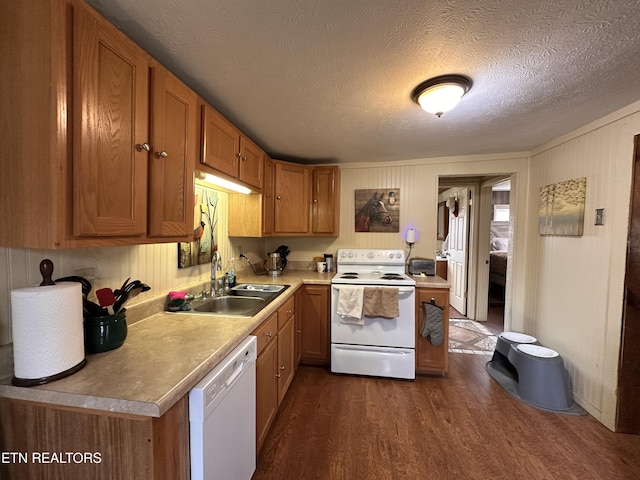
<point>355,274</point>
<point>349,276</point>
<point>392,276</point>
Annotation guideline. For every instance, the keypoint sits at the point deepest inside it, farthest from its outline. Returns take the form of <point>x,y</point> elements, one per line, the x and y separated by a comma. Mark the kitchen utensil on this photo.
<point>105,333</point>
<point>131,290</point>
<point>92,309</point>
<point>117,292</point>
<point>106,299</point>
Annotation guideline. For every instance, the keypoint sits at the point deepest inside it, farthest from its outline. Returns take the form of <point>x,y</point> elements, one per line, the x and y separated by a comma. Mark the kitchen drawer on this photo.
<point>267,331</point>
<point>285,312</point>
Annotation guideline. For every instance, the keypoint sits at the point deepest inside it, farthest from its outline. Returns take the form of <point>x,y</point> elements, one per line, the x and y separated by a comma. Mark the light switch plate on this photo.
<point>599,216</point>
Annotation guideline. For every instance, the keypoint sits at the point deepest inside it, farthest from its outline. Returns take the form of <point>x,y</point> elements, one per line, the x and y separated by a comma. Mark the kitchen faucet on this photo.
<point>216,266</point>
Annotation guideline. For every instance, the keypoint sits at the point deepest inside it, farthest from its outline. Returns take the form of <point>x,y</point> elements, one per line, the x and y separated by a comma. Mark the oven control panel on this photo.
<point>362,256</point>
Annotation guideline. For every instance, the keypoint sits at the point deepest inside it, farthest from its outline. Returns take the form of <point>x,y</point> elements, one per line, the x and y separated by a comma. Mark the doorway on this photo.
<point>478,291</point>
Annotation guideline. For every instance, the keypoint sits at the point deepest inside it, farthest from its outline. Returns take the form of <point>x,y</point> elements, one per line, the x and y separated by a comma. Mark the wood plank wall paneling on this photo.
<point>578,280</point>
<point>155,265</point>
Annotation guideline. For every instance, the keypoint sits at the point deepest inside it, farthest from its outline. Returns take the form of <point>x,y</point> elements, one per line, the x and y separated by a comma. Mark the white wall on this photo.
<point>578,281</point>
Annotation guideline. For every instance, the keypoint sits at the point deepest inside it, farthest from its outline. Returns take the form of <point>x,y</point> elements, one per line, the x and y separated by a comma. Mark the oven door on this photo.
<point>378,331</point>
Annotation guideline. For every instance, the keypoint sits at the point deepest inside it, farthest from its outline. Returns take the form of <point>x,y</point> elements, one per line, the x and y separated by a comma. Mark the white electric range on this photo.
<point>378,346</point>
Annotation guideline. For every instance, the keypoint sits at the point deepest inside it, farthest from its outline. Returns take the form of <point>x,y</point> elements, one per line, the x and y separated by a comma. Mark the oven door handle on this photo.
<point>400,289</point>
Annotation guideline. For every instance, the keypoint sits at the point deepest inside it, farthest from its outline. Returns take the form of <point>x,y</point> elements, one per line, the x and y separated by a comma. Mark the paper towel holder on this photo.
<point>46,270</point>
<point>32,382</point>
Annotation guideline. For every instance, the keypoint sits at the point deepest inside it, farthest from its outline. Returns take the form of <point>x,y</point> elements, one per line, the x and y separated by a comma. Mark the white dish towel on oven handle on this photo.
<point>350,301</point>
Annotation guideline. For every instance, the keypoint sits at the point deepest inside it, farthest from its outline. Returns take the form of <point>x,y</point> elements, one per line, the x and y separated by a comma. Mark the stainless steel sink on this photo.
<point>231,305</point>
<point>244,300</point>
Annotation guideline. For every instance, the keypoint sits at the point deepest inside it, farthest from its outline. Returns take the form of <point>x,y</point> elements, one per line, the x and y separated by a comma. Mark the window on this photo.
<point>501,213</point>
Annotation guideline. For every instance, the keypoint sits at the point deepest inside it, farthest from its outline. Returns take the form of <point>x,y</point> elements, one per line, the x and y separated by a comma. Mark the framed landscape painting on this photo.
<point>561,209</point>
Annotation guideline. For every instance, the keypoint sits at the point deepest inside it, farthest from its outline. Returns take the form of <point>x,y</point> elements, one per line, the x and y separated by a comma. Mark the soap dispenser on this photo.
<point>231,275</point>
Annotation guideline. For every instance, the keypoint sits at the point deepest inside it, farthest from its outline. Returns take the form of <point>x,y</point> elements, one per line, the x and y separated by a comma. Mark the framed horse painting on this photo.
<point>377,210</point>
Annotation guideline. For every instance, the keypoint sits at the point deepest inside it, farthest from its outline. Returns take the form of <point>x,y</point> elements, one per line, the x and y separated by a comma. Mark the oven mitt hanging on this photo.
<point>432,323</point>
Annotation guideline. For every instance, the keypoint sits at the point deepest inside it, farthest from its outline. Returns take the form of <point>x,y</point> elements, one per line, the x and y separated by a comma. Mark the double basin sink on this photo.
<point>244,300</point>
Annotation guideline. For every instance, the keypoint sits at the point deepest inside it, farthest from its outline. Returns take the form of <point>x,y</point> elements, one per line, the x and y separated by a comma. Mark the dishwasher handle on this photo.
<point>236,372</point>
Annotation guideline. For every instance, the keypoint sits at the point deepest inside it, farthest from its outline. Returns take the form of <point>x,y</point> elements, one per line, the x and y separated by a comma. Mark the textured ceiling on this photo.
<point>330,80</point>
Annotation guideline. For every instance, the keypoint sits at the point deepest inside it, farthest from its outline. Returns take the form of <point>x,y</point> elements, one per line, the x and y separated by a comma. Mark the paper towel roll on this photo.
<point>47,327</point>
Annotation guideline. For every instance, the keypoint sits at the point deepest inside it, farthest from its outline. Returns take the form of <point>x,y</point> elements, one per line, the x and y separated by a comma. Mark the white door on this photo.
<point>457,265</point>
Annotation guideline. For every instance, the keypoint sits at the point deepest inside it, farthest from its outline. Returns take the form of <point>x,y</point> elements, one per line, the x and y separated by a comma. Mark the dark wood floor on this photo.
<point>462,427</point>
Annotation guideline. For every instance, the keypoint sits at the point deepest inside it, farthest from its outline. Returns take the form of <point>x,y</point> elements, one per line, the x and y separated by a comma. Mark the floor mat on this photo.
<point>469,336</point>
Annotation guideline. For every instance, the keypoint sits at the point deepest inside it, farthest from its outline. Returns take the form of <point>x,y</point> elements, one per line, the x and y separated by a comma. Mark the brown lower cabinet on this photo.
<point>429,358</point>
<point>314,324</point>
<point>92,444</point>
<point>275,366</point>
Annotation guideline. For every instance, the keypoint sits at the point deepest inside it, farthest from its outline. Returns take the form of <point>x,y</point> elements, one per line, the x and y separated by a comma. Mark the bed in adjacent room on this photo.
<point>499,248</point>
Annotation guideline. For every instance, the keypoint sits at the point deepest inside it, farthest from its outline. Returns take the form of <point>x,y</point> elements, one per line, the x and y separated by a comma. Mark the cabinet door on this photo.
<point>324,203</point>
<point>220,143</point>
<point>315,324</point>
<point>299,307</point>
<point>268,197</point>
<point>430,359</point>
<point>293,182</point>
<point>111,117</point>
<point>286,352</point>
<point>266,391</point>
<point>250,170</point>
<point>173,148</point>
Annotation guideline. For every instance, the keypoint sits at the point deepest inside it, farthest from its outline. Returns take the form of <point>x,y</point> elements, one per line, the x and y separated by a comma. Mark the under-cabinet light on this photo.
<point>222,182</point>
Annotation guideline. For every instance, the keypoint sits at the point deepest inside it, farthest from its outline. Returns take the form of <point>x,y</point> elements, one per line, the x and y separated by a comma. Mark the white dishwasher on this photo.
<point>222,418</point>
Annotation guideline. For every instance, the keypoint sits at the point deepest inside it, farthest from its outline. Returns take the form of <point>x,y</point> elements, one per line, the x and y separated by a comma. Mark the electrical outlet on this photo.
<point>89,273</point>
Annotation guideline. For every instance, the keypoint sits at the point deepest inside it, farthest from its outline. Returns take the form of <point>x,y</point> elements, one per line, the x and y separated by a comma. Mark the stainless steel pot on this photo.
<point>273,264</point>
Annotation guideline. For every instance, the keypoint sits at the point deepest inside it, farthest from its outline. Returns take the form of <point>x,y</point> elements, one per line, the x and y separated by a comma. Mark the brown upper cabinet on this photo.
<point>292,194</point>
<point>174,138</point>
<point>325,201</point>
<point>296,200</point>
<point>106,142</point>
<point>268,191</point>
<point>226,151</point>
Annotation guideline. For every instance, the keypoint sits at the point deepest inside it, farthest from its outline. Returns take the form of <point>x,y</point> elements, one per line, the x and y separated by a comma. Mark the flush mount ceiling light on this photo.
<point>440,94</point>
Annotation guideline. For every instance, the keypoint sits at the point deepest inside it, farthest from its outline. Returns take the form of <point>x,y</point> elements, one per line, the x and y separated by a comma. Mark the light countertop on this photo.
<point>164,356</point>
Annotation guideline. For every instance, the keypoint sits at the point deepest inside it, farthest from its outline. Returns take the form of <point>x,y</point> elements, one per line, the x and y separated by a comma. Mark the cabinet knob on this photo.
<point>299,332</point>
<point>267,195</point>
<point>244,158</point>
<point>162,154</point>
<point>278,375</point>
<point>315,200</point>
<point>143,146</point>
<point>282,367</point>
<point>269,334</point>
<point>239,154</point>
<point>278,197</point>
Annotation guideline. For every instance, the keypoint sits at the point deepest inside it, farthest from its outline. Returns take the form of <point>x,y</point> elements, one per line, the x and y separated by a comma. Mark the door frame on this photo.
<point>478,239</point>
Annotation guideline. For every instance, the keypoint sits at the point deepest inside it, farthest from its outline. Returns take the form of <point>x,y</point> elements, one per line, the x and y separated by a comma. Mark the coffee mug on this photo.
<point>321,266</point>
